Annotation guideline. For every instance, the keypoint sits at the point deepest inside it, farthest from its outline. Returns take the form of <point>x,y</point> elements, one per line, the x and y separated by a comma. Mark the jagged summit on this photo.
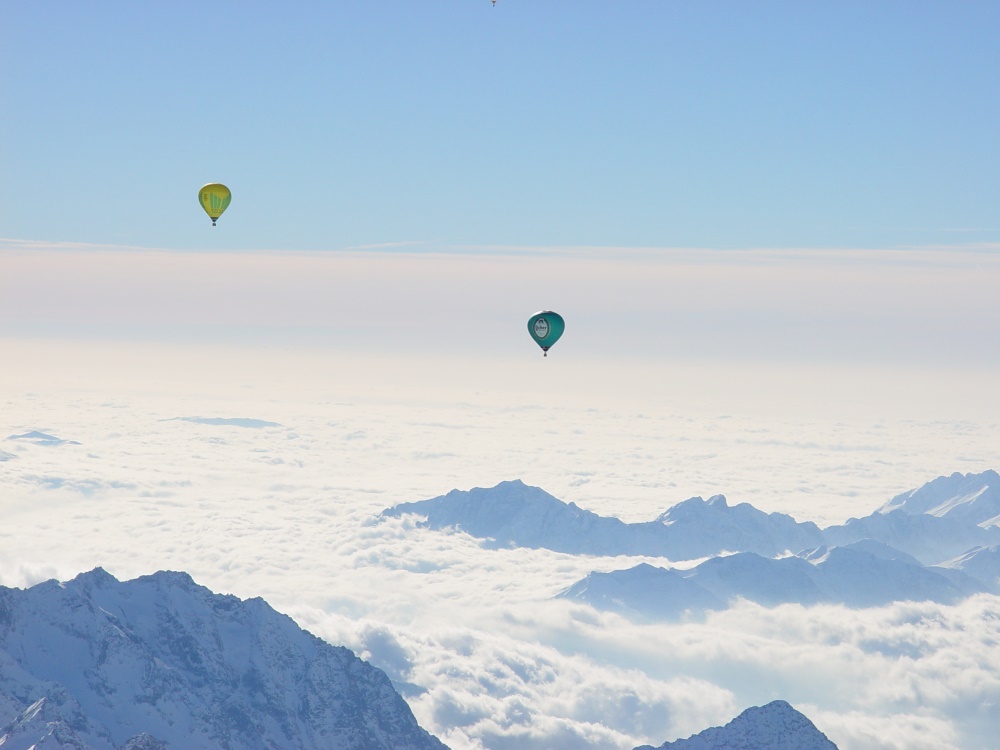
<point>514,514</point>
<point>160,661</point>
<point>99,577</point>
<point>775,726</point>
<point>971,498</point>
<point>695,504</point>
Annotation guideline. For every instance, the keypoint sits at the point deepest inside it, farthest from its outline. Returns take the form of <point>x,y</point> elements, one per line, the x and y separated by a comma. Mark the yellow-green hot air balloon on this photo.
<point>545,328</point>
<point>214,198</point>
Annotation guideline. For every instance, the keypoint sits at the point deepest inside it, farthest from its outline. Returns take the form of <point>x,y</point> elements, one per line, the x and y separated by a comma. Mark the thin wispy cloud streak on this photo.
<point>836,307</point>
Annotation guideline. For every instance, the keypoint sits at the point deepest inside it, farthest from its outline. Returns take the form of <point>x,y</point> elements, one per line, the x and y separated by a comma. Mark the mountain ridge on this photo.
<point>852,576</point>
<point>513,514</point>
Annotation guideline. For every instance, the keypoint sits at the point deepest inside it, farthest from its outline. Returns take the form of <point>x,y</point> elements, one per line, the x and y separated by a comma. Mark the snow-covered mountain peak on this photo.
<point>512,496</point>
<point>98,578</point>
<point>160,661</point>
<point>684,509</point>
<point>718,507</point>
<point>519,515</point>
<point>508,484</point>
<point>775,726</point>
<point>973,498</point>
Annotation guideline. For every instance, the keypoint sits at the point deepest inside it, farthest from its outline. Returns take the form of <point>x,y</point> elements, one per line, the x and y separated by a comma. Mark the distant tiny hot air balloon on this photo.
<point>545,328</point>
<point>214,198</point>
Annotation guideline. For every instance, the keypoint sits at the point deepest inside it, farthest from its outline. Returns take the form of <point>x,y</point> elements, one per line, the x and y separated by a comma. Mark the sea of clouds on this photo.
<point>260,467</point>
<point>262,473</point>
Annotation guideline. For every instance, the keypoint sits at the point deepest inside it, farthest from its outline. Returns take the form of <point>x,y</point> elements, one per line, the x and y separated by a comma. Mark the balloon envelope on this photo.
<point>545,328</point>
<point>214,198</point>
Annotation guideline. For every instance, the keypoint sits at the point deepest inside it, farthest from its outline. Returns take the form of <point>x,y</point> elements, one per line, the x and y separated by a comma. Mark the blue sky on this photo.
<point>457,124</point>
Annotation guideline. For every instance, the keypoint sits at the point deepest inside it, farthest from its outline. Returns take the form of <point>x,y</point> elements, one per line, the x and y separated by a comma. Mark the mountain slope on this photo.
<point>644,592</point>
<point>102,663</point>
<point>930,539</point>
<point>698,528</point>
<point>776,726</point>
<point>513,514</point>
<point>981,563</point>
<point>39,727</point>
<point>970,498</point>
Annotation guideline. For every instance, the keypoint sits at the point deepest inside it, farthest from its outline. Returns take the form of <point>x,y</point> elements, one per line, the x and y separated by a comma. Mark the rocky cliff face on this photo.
<point>162,663</point>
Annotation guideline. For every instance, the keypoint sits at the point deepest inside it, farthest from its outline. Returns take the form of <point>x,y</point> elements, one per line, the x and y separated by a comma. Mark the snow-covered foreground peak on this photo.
<point>776,726</point>
<point>98,664</point>
<point>972,498</point>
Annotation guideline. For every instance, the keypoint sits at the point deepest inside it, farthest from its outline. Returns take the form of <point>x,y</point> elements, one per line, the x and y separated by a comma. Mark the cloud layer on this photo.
<point>484,654</point>
<point>929,306</point>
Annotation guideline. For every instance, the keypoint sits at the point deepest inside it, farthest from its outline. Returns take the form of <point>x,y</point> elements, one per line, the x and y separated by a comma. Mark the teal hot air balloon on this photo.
<point>545,328</point>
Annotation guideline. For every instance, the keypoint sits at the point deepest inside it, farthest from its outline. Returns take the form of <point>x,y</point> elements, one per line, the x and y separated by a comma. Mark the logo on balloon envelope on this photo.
<point>214,198</point>
<point>545,328</point>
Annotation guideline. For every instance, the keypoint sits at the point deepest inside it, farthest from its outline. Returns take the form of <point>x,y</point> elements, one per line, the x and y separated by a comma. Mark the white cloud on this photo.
<point>905,676</point>
<point>902,731</point>
<point>488,689</point>
<point>285,513</point>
